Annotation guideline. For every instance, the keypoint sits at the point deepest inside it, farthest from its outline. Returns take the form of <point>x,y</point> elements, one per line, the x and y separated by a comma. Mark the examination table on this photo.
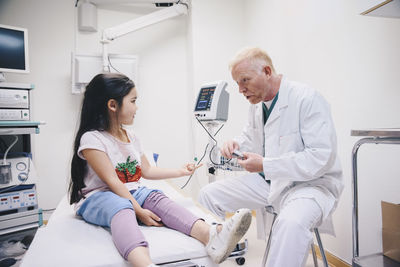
<point>69,241</point>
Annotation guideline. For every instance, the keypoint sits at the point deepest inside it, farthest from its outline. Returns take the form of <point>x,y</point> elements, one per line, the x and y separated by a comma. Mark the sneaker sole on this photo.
<point>239,232</point>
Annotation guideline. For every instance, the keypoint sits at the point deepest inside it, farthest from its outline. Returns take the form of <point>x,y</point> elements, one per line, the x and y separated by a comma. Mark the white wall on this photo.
<point>217,32</point>
<point>354,62</point>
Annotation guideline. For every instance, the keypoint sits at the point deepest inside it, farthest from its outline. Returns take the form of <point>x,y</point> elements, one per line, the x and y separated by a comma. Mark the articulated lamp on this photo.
<point>115,32</point>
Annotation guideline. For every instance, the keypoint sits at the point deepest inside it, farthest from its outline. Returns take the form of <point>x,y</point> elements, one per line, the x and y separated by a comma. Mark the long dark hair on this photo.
<point>94,116</point>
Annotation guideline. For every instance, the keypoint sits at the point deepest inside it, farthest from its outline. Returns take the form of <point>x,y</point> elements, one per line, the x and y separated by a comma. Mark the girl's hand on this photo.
<point>189,168</point>
<point>148,218</point>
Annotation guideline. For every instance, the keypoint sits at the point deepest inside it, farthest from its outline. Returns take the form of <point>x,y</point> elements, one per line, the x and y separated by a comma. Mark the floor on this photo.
<point>255,251</point>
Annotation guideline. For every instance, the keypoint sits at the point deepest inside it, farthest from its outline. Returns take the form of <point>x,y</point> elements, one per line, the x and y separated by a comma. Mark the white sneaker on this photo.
<point>221,244</point>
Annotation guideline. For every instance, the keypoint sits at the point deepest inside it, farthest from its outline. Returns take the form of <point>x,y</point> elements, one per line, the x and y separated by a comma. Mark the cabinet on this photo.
<point>371,136</point>
<point>18,198</point>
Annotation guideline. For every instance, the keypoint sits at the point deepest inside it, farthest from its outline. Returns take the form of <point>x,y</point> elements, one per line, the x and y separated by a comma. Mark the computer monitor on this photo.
<point>212,102</point>
<point>13,49</point>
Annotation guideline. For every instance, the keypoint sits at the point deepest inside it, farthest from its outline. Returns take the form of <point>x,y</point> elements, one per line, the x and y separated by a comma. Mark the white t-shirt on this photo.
<point>117,151</point>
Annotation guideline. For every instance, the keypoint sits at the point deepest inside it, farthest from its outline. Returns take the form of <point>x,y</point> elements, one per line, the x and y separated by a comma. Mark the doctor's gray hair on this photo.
<point>254,54</point>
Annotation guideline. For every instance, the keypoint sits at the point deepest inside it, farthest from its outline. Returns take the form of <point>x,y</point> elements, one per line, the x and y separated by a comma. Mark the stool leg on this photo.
<point>321,248</point>
<point>264,262</point>
<point>314,255</point>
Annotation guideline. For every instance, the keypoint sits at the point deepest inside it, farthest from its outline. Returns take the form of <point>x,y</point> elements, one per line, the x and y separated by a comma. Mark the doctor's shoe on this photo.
<point>221,244</point>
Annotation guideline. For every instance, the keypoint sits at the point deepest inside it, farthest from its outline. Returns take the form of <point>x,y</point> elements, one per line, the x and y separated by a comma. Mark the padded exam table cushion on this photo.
<point>69,241</point>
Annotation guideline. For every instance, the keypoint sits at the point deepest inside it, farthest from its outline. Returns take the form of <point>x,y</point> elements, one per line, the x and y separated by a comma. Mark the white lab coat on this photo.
<point>300,149</point>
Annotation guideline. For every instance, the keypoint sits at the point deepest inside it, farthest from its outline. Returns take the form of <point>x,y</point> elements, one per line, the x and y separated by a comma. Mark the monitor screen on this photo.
<point>13,49</point>
<point>205,98</point>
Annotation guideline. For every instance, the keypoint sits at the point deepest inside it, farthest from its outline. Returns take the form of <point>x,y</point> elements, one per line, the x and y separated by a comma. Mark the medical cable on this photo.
<point>216,164</point>
<point>109,61</point>
<point>190,177</point>
<point>8,149</point>
<point>185,4</point>
<point>205,150</point>
<point>208,131</point>
<point>219,129</point>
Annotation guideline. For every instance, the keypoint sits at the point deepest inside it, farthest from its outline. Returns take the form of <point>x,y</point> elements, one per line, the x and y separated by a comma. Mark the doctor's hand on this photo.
<point>228,148</point>
<point>148,217</point>
<point>252,162</point>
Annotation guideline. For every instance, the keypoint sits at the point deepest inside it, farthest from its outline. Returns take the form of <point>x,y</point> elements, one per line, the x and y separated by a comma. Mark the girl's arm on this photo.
<point>156,173</point>
<point>101,164</point>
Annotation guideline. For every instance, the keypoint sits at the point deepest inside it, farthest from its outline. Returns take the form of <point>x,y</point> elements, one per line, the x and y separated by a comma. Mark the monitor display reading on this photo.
<point>205,98</point>
<point>13,50</point>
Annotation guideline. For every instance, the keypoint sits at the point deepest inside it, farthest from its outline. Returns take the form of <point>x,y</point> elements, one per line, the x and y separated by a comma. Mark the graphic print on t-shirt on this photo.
<point>128,171</point>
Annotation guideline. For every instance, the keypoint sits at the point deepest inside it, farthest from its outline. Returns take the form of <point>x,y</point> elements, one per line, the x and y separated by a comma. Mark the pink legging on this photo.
<point>125,229</point>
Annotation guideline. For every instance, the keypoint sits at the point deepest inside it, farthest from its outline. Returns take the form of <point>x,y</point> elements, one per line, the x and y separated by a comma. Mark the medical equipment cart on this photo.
<point>18,197</point>
<point>371,136</point>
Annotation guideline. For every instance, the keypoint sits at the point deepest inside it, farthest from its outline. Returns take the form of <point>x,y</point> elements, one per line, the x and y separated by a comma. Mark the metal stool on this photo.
<point>271,210</point>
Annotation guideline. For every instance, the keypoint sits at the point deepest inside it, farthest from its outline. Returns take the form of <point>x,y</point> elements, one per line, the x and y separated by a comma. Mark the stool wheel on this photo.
<point>240,260</point>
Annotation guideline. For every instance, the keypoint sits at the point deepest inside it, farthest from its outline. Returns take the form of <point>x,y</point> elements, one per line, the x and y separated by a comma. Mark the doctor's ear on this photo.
<point>267,70</point>
<point>112,105</point>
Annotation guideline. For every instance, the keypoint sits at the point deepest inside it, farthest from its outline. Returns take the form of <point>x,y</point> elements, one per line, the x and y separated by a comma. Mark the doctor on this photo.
<point>289,147</point>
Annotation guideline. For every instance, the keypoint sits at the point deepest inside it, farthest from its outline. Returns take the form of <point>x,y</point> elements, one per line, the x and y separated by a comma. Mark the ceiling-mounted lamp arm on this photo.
<point>105,42</point>
<point>115,32</point>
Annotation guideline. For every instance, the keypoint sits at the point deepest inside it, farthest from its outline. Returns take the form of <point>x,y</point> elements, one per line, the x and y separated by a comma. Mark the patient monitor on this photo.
<point>211,110</point>
<point>212,102</point>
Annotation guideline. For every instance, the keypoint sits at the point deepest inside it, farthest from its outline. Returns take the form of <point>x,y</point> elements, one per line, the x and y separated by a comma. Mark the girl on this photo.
<point>107,164</point>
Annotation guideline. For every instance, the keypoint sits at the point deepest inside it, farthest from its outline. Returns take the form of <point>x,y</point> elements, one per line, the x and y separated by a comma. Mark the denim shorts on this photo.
<point>100,207</point>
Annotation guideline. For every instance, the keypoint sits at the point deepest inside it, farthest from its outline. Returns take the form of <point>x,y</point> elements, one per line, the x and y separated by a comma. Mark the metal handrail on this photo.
<point>357,145</point>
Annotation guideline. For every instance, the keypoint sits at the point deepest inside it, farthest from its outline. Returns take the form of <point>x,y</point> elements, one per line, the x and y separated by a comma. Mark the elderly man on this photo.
<point>289,148</point>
